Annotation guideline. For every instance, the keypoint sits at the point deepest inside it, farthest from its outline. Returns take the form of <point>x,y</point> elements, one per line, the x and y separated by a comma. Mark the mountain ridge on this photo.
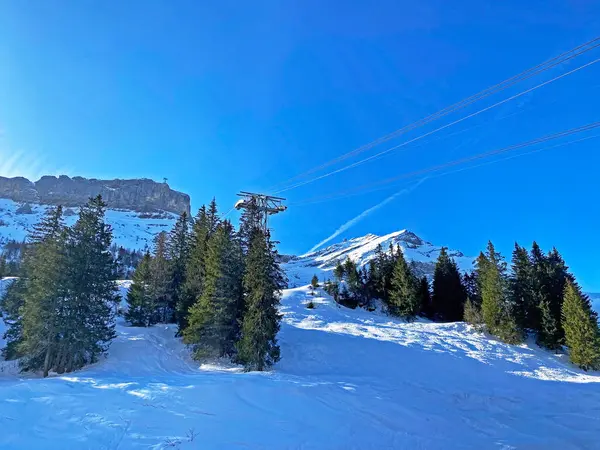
<point>137,194</point>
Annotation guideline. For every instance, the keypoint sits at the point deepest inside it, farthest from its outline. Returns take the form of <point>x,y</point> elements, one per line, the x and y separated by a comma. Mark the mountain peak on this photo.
<point>363,249</point>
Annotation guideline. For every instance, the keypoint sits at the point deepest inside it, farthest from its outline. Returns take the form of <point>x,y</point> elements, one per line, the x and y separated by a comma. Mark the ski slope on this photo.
<point>349,379</point>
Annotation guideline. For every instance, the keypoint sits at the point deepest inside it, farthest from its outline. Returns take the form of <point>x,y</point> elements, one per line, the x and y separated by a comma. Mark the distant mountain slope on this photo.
<point>131,229</point>
<point>362,250</point>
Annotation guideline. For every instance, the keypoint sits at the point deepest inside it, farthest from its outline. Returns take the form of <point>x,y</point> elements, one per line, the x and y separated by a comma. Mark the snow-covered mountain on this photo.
<point>131,229</point>
<point>362,250</point>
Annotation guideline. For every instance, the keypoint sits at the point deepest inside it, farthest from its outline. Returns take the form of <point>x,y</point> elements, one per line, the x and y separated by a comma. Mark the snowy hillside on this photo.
<point>348,379</point>
<point>361,250</point>
<point>132,230</point>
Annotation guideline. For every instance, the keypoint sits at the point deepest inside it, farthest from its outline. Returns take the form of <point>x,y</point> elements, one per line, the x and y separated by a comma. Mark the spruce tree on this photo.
<point>314,282</point>
<point>160,276</point>
<point>404,301</point>
<point>213,320</point>
<point>548,335</point>
<point>539,279</point>
<point>424,296</point>
<point>471,283</point>
<point>580,324</point>
<point>178,246</point>
<point>263,282</point>
<point>522,298</point>
<point>142,310</point>
<point>88,312</point>
<point>492,278</point>
<point>449,295</point>
<point>250,220</point>
<point>44,293</point>
<point>195,270</point>
<point>10,307</point>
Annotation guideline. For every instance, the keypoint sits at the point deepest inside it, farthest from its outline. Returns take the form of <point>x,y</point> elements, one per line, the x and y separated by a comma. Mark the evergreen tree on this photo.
<point>214,319</point>
<point>10,307</point>
<point>424,296</point>
<point>339,271</point>
<point>448,292</point>
<point>404,301</point>
<point>88,312</point>
<point>471,284</point>
<point>558,276</point>
<point>353,283</point>
<point>314,282</point>
<point>142,310</point>
<point>492,278</point>
<point>539,280</point>
<point>44,293</point>
<point>160,276</point>
<point>472,313</point>
<point>522,299</point>
<point>580,324</point>
<point>250,220</point>
<point>195,270</point>
<point>178,246</point>
<point>212,216</point>
<point>263,282</point>
<point>548,335</point>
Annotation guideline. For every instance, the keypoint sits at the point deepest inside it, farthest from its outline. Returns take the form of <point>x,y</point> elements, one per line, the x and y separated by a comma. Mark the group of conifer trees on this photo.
<point>60,311</point>
<point>221,286</point>
<point>538,296</point>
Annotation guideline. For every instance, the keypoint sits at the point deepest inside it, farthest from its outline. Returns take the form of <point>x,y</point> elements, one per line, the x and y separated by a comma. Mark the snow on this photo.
<point>349,379</point>
<point>362,250</point>
<point>131,230</point>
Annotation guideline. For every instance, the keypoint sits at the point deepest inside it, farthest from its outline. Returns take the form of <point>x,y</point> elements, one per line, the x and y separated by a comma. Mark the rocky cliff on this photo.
<point>141,195</point>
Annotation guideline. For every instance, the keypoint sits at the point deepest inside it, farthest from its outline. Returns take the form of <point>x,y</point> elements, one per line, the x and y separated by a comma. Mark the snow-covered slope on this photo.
<point>362,250</point>
<point>132,230</point>
<point>349,379</point>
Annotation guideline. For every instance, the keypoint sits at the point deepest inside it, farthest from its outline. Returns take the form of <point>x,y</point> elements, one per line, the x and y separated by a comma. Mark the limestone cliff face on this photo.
<point>141,195</point>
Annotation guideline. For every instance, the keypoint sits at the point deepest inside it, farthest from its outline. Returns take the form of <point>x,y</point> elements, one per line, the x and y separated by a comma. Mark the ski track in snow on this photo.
<point>348,379</point>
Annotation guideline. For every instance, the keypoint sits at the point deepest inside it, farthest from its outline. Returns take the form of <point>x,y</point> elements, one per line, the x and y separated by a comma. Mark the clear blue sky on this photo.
<point>229,95</point>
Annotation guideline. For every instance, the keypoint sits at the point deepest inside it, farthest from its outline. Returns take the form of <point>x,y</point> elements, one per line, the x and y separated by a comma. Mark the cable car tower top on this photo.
<point>265,205</point>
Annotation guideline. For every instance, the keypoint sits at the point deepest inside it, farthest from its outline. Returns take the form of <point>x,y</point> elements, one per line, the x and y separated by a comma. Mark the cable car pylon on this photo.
<point>266,205</point>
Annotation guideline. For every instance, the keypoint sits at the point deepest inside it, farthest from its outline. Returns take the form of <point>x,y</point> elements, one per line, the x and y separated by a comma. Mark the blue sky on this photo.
<point>226,96</point>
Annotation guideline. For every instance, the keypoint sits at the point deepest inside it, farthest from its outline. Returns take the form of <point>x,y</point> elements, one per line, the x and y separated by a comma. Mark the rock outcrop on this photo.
<point>142,195</point>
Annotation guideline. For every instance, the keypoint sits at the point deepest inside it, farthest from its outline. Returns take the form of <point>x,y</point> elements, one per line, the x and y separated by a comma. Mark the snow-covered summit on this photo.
<point>361,250</point>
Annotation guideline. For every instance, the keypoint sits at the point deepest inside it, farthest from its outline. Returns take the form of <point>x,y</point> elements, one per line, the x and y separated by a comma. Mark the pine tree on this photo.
<point>472,313</point>
<point>339,271</point>
<point>580,324</point>
<point>160,276</point>
<point>449,296</point>
<point>10,307</point>
<point>250,220</point>
<point>424,296</point>
<point>142,310</point>
<point>521,286</point>
<point>212,216</point>
<point>470,281</point>
<point>547,334</point>
<point>539,279</point>
<point>558,275</point>
<point>195,270</point>
<point>88,312</point>
<point>178,246</point>
<point>492,278</point>
<point>263,282</point>
<point>314,282</point>
<point>213,321</point>
<point>44,293</point>
<point>404,300</point>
